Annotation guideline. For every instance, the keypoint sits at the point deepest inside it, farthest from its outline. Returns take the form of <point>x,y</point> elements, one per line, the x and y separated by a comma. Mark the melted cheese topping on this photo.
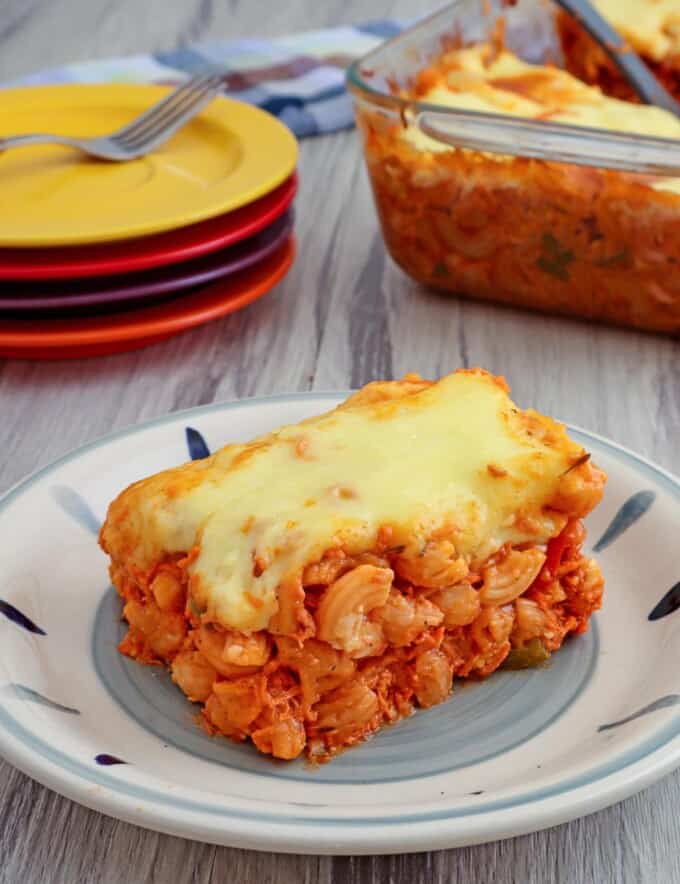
<point>476,79</point>
<point>456,454</point>
<point>652,27</point>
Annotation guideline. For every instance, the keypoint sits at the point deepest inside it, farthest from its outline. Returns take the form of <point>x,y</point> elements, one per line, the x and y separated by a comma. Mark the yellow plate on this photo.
<point>226,157</point>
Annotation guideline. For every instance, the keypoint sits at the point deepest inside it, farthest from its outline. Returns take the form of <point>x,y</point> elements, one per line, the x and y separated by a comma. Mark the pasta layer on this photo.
<point>390,630</point>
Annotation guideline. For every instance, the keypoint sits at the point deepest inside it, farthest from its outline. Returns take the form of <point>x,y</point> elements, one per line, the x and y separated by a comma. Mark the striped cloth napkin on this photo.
<point>300,78</point>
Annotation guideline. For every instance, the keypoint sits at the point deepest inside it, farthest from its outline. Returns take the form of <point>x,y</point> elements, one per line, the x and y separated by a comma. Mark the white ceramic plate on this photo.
<point>519,752</point>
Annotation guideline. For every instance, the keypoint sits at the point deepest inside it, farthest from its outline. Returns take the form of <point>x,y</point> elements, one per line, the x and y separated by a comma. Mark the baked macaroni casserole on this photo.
<point>327,579</point>
<point>553,236</point>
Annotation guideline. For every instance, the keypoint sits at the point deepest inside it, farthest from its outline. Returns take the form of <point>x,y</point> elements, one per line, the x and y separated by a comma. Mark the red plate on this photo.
<point>116,333</point>
<point>150,251</point>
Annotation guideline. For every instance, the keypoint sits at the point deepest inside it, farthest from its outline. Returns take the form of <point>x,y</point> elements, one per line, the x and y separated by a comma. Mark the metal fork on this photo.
<point>143,134</point>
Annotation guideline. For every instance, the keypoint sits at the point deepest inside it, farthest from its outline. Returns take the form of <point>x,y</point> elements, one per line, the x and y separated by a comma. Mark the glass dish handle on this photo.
<point>555,142</point>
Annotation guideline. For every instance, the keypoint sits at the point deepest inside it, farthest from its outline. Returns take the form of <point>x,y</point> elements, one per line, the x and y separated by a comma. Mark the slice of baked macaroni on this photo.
<point>323,580</point>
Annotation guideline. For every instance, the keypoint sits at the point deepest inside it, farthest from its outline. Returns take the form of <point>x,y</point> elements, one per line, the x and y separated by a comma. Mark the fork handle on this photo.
<point>37,138</point>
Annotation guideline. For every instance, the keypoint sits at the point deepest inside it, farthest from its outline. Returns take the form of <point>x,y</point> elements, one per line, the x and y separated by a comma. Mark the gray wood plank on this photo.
<point>344,315</point>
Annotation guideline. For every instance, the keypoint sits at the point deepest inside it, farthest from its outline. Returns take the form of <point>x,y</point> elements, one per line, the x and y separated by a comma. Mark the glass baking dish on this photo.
<point>535,214</point>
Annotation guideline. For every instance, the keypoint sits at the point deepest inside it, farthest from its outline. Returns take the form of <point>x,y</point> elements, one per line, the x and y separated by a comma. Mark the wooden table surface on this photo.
<point>344,316</point>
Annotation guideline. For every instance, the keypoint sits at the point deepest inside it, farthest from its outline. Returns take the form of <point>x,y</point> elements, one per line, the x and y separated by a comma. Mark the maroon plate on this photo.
<point>144,253</point>
<point>20,297</point>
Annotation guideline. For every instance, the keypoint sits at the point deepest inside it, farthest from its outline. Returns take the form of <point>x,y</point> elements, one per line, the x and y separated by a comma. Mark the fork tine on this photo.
<point>166,103</point>
<point>167,114</point>
<point>161,134</point>
<point>169,118</point>
<point>177,95</point>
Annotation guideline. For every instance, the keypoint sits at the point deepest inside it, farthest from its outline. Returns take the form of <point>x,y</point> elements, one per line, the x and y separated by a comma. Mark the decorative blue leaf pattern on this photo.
<point>15,615</point>
<point>661,703</point>
<point>669,603</point>
<point>632,510</point>
<point>196,444</point>
<point>76,507</point>
<point>25,693</point>
<point>107,760</point>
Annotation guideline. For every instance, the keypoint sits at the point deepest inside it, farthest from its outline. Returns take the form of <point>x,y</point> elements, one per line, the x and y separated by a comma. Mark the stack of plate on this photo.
<point>100,257</point>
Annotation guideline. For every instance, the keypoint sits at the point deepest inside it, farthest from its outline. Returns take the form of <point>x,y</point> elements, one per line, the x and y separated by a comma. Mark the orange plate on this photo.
<point>117,333</point>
